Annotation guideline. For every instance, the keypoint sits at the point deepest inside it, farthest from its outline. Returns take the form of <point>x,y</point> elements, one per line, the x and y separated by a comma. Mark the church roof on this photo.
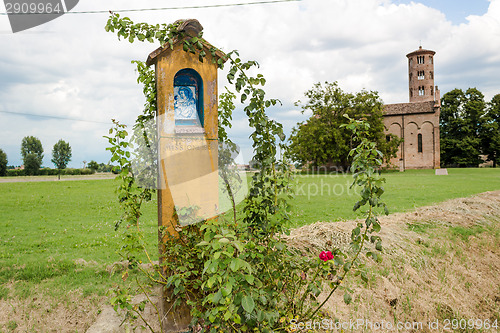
<point>409,108</point>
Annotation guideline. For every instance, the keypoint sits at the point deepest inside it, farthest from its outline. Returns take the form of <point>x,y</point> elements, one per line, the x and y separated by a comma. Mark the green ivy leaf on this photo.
<point>249,278</point>
<point>347,266</point>
<point>248,303</point>
<point>347,298</point>
<point>211,281</point>
<point>338,260</point>
<point>235,264</point>
<point>226,290</point>
<point>224,240</point>
<point>364,277</point>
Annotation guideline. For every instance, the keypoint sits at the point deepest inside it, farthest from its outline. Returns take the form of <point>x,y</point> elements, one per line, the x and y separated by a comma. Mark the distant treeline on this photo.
<point>51,172</point>
<point>12,172</point>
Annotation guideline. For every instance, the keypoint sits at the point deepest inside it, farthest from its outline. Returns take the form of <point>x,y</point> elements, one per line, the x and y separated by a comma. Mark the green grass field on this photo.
<point>46,226</point>
<point>329,198</point>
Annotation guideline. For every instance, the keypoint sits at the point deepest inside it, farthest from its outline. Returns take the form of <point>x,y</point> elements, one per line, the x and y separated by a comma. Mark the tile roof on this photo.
<point>410,108</point>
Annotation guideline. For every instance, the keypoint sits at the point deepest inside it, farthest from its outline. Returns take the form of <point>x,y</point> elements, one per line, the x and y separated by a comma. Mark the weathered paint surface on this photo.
<point>187,162</point>
<point>195,161</point>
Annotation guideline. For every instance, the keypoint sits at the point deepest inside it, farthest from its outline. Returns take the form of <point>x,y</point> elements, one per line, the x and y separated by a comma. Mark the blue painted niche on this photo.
<point>188,98</point>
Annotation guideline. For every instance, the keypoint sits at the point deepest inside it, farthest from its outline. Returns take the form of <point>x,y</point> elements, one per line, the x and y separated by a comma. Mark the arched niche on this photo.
<point>188,98</point>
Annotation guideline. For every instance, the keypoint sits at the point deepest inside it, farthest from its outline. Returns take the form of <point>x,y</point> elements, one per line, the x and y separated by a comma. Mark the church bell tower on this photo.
<point>421,76</point>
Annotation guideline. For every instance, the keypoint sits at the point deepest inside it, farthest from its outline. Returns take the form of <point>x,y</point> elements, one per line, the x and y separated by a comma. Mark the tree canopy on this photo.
<point>93,165</point>
<point>322,141</point>
<point>467,128</point>
<point>61,154</point>
<point>32,154</point>
<point>3,163</point>
<point>491,130</point>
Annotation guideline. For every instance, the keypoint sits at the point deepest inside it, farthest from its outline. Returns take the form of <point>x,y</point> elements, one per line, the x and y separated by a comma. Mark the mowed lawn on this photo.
<point>330,198</point>
<point>46,228</point>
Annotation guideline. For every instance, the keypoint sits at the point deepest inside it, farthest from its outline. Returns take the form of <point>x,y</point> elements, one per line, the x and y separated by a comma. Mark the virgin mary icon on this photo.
<point>185,103</point>
<point>188,98</point>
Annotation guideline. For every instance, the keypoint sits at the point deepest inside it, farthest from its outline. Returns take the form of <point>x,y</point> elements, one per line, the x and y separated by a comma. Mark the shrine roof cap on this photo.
<point>191,28</point>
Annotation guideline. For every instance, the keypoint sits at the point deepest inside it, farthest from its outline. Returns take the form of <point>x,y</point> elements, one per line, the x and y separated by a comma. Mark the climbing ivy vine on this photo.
<point>236,272</point>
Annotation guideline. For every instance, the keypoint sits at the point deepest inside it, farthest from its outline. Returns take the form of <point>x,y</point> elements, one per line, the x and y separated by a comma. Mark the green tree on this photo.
<point>93,165</point>
<point>462,126</point>
<point>32,154</point>
<point>104,167</point>
<point>491,130</point>
<point>31,165</point>
<point>3,163</point>
<point>322,140</point>
<point>61,155</point>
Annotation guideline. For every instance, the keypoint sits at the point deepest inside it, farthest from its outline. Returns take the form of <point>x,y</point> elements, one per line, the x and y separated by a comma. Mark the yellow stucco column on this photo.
<point>187,127</point>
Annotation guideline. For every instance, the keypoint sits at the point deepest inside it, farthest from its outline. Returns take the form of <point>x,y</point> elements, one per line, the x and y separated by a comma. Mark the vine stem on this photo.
<point>234,328</point>
<point>152,279</point>
<point>302,300</point>
<point>231,196</point>
<point>265,139</point>
<point>138,216</point>
<point>352,262</point>
<point>275,186</point>
<point>156,308</point>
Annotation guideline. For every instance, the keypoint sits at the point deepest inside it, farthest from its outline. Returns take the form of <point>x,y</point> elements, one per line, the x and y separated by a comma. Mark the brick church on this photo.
<point>417,122</point>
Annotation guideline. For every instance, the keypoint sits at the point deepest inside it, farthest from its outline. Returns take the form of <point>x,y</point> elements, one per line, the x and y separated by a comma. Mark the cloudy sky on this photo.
<point>71,68</point>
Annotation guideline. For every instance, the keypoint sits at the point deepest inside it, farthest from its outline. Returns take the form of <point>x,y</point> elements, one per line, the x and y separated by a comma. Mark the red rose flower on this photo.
<point>326,255</point>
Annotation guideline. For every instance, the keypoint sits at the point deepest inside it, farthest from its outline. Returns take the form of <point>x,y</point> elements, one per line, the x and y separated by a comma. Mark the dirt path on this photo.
<point>23,179</point>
